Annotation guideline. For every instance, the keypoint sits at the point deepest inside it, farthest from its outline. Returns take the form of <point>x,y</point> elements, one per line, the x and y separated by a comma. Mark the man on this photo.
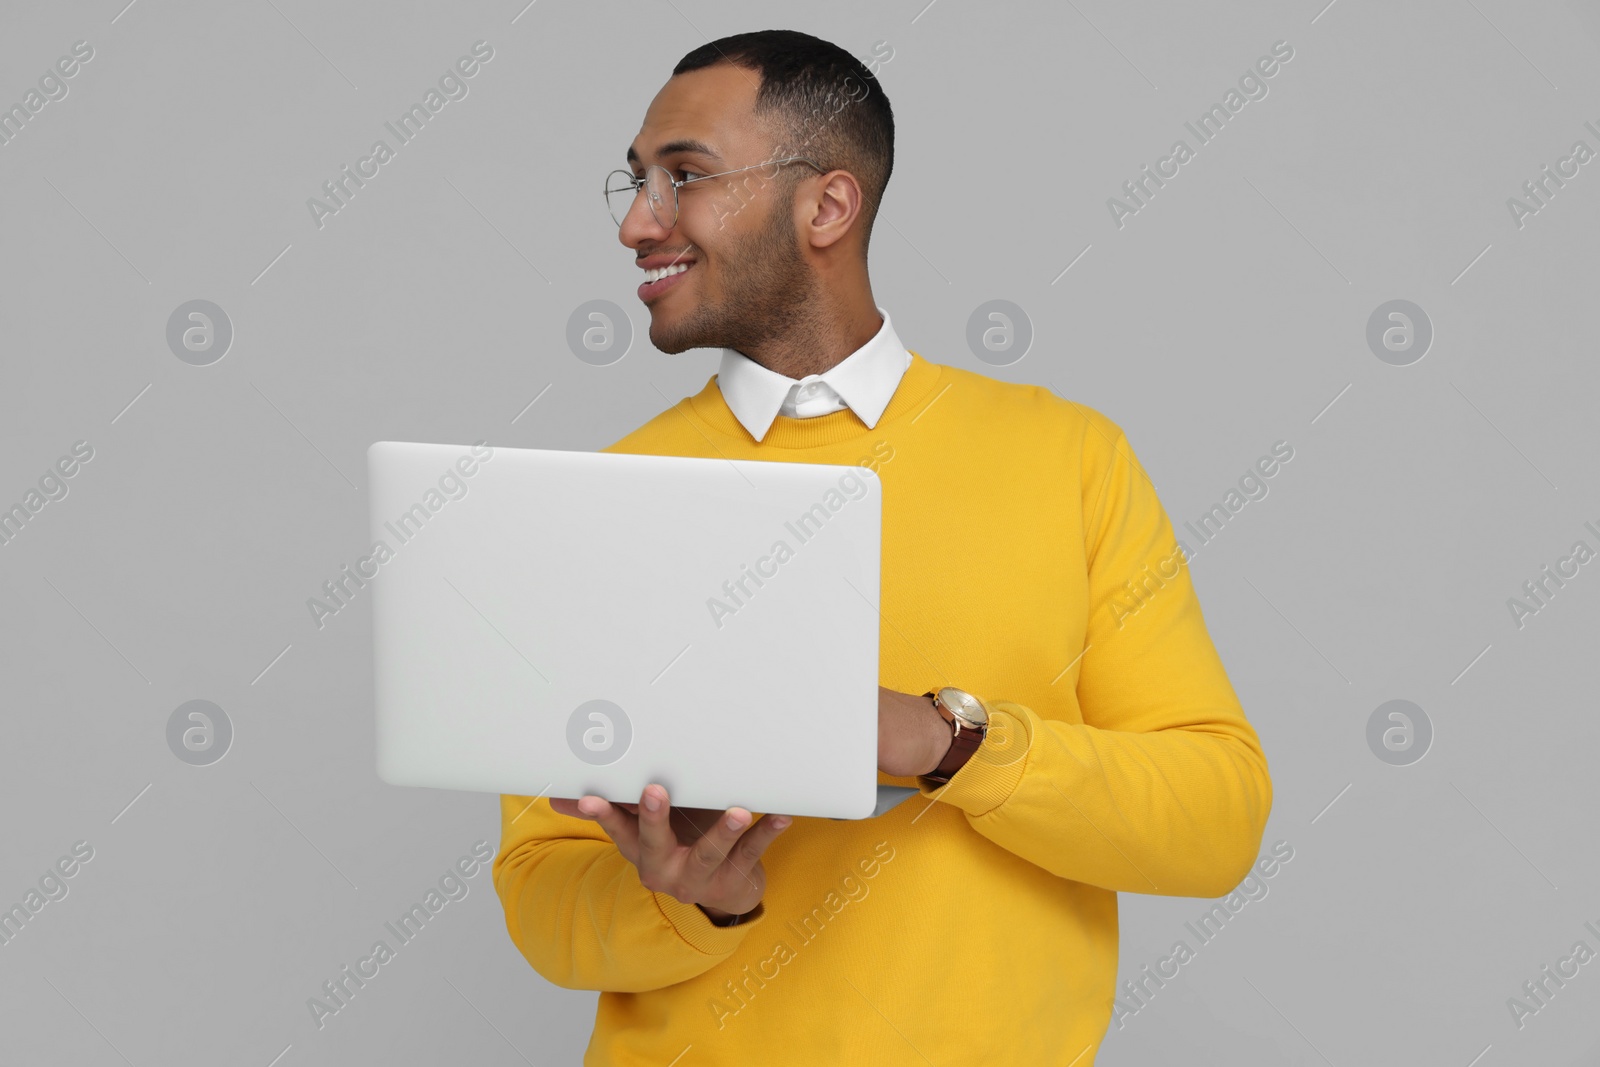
<point>1088,743</point>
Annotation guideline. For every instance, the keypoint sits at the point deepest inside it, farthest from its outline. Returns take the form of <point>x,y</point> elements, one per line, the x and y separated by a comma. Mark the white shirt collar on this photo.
<point>863,381</point>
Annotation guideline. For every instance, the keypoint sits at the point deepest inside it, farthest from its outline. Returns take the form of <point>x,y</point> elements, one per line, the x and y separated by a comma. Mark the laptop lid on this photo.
<point>553,623</point>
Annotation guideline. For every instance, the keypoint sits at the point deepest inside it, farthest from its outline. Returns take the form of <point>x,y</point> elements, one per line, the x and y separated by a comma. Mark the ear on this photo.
<point>832,209</point>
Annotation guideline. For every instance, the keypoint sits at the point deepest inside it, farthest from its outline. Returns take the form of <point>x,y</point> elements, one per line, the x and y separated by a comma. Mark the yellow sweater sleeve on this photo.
<point>1163,788</point>
<point>577,912</point>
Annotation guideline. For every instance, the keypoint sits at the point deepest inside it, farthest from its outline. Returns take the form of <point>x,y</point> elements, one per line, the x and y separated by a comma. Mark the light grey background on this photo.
<point>1228,314</point>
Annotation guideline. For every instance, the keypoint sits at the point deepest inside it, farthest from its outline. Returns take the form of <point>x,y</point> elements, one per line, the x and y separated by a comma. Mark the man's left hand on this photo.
<point>912,736</point>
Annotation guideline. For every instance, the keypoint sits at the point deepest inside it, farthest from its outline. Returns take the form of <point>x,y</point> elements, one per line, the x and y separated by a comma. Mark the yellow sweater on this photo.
<point>1026,559</point>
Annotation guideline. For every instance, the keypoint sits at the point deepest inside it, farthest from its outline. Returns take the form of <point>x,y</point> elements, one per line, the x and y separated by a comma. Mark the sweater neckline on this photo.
<point>821,431</point>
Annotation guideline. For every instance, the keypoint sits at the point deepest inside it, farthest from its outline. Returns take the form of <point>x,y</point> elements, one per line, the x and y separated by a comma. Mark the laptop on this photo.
<point>555,623</point>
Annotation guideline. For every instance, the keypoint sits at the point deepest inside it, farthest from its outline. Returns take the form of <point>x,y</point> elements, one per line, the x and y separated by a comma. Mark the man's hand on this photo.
<point>912,736</point>
<point>696,855</point>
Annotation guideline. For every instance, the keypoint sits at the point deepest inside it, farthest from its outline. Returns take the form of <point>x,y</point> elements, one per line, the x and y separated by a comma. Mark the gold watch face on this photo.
<point>968,708</point>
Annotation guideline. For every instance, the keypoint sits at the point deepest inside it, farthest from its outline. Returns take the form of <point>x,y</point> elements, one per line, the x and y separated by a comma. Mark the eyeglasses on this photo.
<point>661,191</point>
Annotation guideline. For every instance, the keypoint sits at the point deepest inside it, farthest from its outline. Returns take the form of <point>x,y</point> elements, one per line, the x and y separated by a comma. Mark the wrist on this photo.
<point>719,917</point>
<point>942,737</point>
<point>965,720</point>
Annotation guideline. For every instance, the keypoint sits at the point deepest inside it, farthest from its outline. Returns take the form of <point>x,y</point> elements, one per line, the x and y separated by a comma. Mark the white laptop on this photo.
<point>551,623</point>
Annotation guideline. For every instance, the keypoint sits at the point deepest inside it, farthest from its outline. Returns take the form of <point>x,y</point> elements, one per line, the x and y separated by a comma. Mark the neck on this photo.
<point>821,340</point>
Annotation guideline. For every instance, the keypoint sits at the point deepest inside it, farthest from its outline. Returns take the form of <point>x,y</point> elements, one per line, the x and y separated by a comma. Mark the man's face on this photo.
<point>747,280</point>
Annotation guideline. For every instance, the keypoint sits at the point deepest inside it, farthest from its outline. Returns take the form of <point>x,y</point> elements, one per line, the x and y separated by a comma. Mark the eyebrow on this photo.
<point>679,147</point>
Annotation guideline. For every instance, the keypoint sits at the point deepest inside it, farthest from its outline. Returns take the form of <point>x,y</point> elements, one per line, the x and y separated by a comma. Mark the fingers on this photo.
<point>570,806</point>
<point>566,806</point>
<point>747,853</point>
<point>690,824</point>
<point>657,841</point>
<point>621,827</point>
<point>648,837</point>
<point>714,846</point>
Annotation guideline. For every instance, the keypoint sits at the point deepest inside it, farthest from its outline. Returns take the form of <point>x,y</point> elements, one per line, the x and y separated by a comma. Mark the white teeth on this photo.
<point>663,272</point>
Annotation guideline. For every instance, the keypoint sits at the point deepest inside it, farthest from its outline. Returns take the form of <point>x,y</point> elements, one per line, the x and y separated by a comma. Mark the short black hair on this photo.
<point>822,100</point>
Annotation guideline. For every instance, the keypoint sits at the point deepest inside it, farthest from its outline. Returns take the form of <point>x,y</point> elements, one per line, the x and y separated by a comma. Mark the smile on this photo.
<point>660,280</point>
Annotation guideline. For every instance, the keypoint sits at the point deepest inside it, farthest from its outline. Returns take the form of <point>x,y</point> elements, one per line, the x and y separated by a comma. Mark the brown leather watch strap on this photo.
<point>965,742</point>
<point>962,746</point>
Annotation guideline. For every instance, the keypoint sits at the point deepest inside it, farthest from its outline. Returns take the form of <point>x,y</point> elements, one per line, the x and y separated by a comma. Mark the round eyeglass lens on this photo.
<point>658,190</point>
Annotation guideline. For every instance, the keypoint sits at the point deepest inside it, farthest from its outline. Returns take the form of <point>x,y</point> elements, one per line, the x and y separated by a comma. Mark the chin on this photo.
<point>666,342</point>
<point>673,337</point>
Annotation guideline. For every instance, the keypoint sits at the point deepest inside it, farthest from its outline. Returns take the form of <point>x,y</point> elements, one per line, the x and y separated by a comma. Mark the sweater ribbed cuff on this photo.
<point>992,773</point>
<point>695,927</point>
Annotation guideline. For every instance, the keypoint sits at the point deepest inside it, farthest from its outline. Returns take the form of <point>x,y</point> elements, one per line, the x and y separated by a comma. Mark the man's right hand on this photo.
<point>695,855</point>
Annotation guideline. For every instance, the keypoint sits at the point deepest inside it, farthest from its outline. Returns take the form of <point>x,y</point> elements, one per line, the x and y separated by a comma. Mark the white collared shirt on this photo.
<point>863,381</point>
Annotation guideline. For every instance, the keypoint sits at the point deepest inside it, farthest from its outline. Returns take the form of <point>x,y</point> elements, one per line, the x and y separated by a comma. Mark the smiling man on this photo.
<point>1065,749</point>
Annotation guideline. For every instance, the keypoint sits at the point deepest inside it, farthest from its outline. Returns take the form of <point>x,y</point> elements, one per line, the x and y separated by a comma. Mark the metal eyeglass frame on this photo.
<point>676,183</point>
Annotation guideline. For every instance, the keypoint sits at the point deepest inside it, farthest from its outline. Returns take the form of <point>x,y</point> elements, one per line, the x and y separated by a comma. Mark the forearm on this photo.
<point>1146,777</point>
<point>577,912</point>
<point>1175,812</point>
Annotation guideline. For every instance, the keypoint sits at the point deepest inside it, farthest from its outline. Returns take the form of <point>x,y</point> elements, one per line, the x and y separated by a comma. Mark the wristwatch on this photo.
<point>969,721</point>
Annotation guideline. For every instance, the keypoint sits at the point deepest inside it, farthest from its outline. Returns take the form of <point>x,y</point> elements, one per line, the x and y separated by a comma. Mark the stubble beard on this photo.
<point>767,292</point>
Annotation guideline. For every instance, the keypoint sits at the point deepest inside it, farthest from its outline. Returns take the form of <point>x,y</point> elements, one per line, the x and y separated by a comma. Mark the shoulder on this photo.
<point>1030,408</point>
<point>661,434</point>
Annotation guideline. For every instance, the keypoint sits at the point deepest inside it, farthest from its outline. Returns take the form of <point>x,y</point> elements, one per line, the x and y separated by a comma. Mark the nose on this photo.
<point>639,225</point>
